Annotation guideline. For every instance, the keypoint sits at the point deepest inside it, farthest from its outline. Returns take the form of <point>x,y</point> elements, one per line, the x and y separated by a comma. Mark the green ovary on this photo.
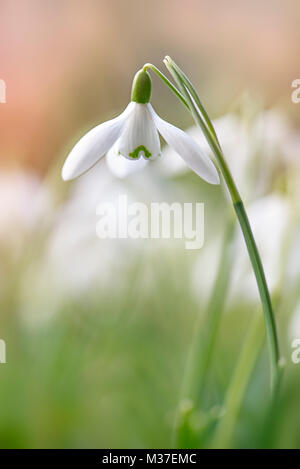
<point>136,152</point>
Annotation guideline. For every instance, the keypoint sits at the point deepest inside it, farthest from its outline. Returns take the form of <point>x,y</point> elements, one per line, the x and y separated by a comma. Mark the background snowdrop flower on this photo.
<point>294,324</point>
<point>293,264</point>
<point>234,138</point>
<point>269,217</point>
<point>257,148</point>
<point>136,133</point>
<point>205,269</point>
<point>76,263</point>
<point>25,201</point>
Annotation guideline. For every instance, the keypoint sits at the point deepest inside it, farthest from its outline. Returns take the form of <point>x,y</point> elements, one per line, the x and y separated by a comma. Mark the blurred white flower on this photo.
<point>205,268</point>
<point>253,148</point>
<point>294,324</point>
<point>293,264</point>
<point>291,149</point>
<point>24,200</point>
<point>271,129</point>
<point>269,218</point>
<point>232,134</point>
<point>76,263</point>
<point>76,259</point>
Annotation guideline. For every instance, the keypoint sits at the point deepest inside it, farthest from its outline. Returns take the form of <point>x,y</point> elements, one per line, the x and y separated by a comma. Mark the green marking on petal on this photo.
<point>136,152</point>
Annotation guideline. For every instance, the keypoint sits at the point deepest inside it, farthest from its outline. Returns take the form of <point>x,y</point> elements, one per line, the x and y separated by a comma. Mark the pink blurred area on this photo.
<point>69,64</point>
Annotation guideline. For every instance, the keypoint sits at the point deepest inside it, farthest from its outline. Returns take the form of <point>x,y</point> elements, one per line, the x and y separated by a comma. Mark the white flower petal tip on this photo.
<point>187,148</point>
<point>140,137</point>
<point>93,145</point>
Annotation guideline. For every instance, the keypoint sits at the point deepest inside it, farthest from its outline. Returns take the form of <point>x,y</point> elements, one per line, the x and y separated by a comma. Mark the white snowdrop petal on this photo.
<point>140,137</point>
<point>187,148</point>
<point>120,166</point>
<point>93,145</point>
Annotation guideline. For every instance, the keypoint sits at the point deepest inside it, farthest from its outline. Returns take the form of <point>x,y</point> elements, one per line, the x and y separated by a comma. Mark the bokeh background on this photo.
<point>97,332</point>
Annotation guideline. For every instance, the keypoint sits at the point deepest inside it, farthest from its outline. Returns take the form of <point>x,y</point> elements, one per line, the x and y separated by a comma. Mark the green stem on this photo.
<point>204,123</point>
<point>202,119</point>
<point>263,291</point>
<point>166,81</point>
<point>196,98</point>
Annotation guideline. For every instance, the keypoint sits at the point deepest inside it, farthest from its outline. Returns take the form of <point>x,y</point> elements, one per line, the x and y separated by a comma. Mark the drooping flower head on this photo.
<point>134,134</point>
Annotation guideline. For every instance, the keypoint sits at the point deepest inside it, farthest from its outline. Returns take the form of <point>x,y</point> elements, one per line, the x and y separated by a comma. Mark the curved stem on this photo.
<point>196,98</point>
<point>166,81</point>
<point>204,123</point>
<point>263,291</point>
<point>202,119</point>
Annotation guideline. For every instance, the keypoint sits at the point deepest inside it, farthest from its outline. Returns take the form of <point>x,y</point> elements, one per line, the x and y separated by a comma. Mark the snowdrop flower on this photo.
<point>269,218</point>
<point>293,263</point>
<point>136,133</point>
<point>75,264</point>
<point>294,324</point>
<point>258,150</point>
<point>25,201</point>
<point>233,136</point>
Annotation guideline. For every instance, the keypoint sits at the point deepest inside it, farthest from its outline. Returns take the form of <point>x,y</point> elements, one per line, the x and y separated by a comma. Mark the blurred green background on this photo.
<point>97,332</point>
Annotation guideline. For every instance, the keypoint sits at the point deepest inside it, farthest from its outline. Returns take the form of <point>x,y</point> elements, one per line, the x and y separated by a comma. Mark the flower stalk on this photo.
<point>189,96</point>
